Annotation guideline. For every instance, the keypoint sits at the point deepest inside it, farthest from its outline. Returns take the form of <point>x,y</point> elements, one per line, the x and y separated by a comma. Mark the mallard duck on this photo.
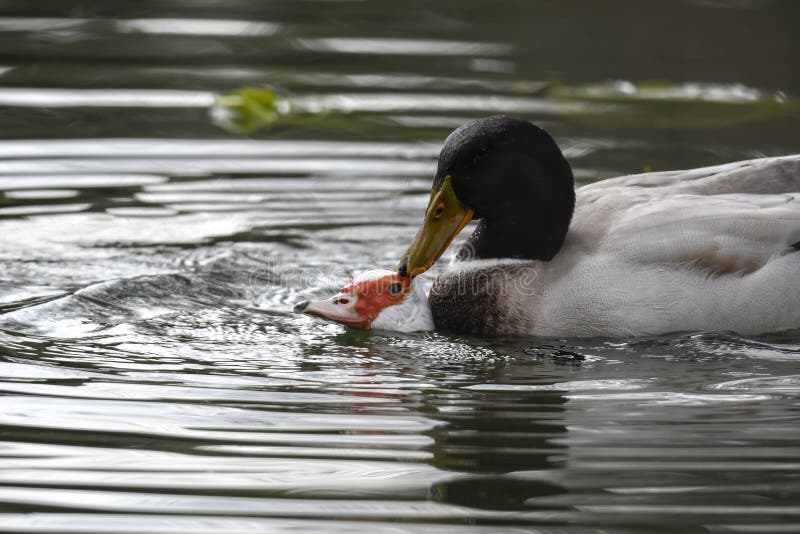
<point>712,249</point>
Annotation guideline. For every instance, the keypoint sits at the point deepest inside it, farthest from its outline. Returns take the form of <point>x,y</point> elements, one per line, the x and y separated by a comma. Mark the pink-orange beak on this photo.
<point>340,308</point>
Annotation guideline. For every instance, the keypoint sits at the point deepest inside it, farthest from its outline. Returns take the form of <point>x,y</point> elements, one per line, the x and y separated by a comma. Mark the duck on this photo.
<point>375,299</point>
<point>708,249</point>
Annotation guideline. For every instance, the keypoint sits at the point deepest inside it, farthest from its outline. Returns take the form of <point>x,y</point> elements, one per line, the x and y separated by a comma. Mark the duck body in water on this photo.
<point>710,249</point>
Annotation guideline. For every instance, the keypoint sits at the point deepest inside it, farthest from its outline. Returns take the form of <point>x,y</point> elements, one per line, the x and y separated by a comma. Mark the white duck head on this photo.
<point>376,299</point>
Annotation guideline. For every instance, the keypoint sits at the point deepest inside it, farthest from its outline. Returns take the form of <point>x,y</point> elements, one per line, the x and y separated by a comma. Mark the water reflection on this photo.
<point>182,26</point>
<point>354,45</point>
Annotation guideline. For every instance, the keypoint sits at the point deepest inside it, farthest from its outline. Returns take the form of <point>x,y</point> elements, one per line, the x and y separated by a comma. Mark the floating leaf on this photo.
<point>249,109</point>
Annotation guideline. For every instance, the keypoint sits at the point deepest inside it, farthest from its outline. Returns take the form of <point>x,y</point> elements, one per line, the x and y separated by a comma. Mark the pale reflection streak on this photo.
<point>393,103</point>
<point>206,166</point>
<point>263,506</point>
<point>183,26</point>
<point>194,147</point>
<point>39,24</point>
<point>427,47</point>
<point>41,194</point>
<point>342,103</point>
<point>98,98</point>
<point>79,181</point>
<point>154,26</point>
<point>60,523</point>
<point>692,92</point>
<point>33,209</point>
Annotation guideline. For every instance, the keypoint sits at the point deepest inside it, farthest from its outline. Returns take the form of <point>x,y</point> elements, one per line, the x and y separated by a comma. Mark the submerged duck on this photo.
<point>712,249</point>
<point>376,299</point>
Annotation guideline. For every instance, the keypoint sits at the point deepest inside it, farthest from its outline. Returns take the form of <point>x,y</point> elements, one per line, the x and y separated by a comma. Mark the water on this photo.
<point>153,377</point>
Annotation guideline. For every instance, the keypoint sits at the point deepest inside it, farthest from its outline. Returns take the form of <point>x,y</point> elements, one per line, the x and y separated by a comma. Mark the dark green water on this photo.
<point>153,378</point>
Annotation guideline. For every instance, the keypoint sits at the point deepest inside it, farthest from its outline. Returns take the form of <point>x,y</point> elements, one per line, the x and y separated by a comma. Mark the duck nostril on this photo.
<point>402,270</point>
<point>342,301</point>
<point>300,307</point>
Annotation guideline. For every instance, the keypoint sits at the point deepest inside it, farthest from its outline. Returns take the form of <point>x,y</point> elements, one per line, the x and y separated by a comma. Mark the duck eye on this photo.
<point>438,210</point>
<point>395,288</point>
<point>342,301</point>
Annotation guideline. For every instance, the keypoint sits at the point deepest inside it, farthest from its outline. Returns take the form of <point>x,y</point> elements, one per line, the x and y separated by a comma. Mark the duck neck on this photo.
<point>537,233</point>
